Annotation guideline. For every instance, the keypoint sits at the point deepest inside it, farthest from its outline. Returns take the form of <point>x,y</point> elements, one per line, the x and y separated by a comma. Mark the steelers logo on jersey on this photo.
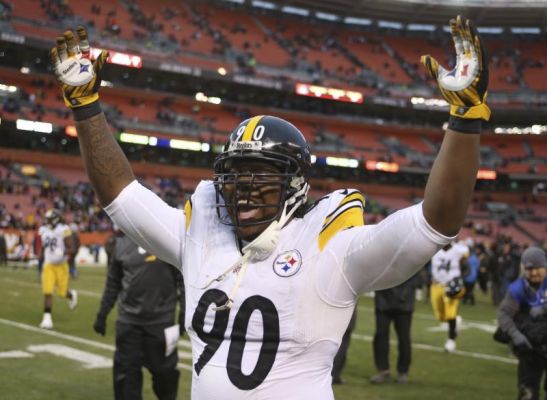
<point>287,263</point>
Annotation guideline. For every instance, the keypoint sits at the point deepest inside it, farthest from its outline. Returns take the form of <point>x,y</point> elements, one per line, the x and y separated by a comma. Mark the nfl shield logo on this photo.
<point>287,263</point>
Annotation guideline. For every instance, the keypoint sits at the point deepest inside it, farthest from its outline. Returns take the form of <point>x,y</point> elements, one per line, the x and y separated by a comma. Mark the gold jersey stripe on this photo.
<point>353,196</point>
<point>352,216</point>
<point>250,128</point>
<point>150,259</point>
<point>188,212</point>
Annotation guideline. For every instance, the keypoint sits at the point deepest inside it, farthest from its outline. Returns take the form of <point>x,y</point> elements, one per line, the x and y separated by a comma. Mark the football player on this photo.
<point>447,287</point>
<point>271,282</point>
<point>57,251</point>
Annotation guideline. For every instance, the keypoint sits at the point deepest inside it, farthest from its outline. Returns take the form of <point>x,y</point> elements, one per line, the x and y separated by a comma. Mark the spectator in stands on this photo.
<point>147,290</point>
<point>522,317</point>
<point>394,305</point>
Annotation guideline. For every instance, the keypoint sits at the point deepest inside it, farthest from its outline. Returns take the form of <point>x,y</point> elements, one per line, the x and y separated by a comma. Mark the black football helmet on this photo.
<point>455,288</point>
<point>53,217</point>
<point>267,140</point>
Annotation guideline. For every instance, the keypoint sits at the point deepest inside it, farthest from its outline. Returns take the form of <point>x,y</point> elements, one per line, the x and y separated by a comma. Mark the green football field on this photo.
<point>72,362</point>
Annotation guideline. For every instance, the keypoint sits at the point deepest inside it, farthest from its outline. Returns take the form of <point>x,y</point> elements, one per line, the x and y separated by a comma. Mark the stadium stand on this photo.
<point>208,37</point>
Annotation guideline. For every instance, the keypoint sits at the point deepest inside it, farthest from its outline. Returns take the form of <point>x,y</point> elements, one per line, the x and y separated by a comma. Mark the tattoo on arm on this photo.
<point>106,165</point>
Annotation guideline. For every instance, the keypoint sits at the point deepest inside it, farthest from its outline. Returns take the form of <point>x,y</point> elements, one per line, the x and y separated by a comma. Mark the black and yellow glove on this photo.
<point>78,77</point>
<point>465,86</point>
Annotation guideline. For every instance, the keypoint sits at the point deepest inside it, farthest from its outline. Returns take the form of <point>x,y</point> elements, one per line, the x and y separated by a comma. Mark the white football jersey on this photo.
<point>445,264</point>
<point>280,336</point>
<point>53,242</point>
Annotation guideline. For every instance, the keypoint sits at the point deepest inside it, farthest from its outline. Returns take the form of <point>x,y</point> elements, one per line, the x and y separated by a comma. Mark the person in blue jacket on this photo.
<point>523,317</point>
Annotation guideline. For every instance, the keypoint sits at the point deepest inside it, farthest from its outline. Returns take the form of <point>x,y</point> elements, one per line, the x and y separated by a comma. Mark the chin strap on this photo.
<point>261,248</point>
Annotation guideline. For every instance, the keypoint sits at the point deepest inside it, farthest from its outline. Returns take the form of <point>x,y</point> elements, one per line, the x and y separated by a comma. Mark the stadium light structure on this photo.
<point>535,129</point>
<point>119,58</point>
<point>342,162</point>
<point>264,4</point>
<point>34,126</point>
<point>295,10</point>
<point>179,144</point>
<point>390,24</point>
<point>485,174</point>
<point>70,130</point>
<point>8,88</point>
<point>304,89</point>
<point>200,96</point>
<point>326,16</point>
<point>357,21</point>
<point>372,165</point>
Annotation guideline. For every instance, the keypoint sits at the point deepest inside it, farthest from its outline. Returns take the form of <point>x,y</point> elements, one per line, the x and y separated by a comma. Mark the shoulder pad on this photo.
<point>346,210</point>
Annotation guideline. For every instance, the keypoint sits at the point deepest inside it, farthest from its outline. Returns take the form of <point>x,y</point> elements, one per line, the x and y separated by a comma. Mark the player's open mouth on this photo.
<point>246,211</point>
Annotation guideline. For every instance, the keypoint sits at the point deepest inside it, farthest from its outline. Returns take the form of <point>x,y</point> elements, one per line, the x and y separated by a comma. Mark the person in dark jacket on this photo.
<point>522,316</point>
<point>394,305</point>
<point>147,291</point>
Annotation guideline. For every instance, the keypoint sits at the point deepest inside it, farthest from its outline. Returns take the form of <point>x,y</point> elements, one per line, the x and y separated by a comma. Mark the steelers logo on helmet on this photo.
<point>263,153</point>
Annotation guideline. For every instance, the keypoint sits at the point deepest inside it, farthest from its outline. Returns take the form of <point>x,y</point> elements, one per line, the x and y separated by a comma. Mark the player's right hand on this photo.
<point>100,325</point>
<point>78,77</point>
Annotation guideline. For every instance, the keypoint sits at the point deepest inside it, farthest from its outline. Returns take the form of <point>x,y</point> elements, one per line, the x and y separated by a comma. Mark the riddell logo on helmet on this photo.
<point>255,145</point>
<point>70,67</point>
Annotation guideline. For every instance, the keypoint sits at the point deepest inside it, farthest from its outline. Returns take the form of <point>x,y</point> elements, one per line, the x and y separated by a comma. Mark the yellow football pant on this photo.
<point>55,275</point>
<point>444,307</point>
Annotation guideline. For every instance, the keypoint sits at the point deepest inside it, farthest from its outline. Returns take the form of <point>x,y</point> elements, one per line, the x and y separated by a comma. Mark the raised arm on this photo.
<point>80,79</point>
<point>106,165</point>
<point>450,185</point>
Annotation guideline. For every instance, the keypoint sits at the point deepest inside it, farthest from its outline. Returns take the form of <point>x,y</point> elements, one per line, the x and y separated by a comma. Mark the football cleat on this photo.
<point>450,346</point>
<point>47,322</point>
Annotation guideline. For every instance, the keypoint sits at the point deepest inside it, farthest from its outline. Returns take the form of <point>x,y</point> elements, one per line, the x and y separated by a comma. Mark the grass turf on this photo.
<point>481,369</point>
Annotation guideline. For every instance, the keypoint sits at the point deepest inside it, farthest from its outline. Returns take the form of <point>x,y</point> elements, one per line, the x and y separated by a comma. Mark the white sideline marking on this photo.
<point>71,338</point>
<point>87,359</point>
<point>422,346</point>
<point>96,295</point>
<point>15,354</point>
<point>186,343</point>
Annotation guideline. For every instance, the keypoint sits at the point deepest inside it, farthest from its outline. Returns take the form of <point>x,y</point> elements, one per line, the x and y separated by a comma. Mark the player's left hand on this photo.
<point>465,86</point>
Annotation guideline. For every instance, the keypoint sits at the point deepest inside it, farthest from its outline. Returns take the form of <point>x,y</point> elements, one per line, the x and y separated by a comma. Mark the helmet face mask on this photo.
<point>255,175</point>
<point>53,217</point>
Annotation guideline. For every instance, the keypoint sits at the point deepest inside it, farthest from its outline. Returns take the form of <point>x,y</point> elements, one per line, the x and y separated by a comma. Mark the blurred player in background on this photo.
<point>272,282</point>
<point>447,287</point>
<point>57,250</point>
<point>147,291</point>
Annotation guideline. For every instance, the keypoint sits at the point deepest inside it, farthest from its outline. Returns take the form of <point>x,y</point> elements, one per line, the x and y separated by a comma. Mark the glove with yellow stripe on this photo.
<point>79,78</point>
<point>465,86</point>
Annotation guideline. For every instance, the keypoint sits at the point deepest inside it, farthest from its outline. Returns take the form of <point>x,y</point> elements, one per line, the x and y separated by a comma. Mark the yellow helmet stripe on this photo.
<point>249,130</point>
